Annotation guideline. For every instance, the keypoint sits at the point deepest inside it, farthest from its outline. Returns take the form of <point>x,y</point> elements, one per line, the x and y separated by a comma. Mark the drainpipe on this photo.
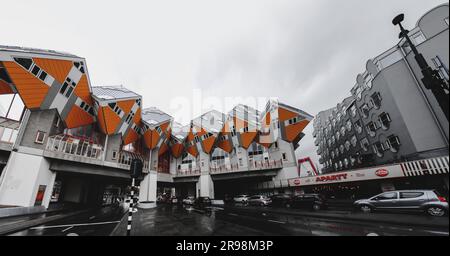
<point>433,114</point>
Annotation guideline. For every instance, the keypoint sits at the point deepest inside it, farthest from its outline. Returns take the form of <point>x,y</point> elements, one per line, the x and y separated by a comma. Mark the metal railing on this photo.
<point>8,130</point>
<point>70,145</point>
<point>189,172</point>
<point>125,157</point>
<point>252,166</point>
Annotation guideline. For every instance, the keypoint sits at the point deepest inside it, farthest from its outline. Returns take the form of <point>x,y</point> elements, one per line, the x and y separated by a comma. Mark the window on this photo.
<point>393,143</point>
<point>57,121</point>
<point>354,141</point>
<point>406,195</point>
<point>40,137</point>
<point>341,149</point>
<point>365,110</point>
<point>337,152</point>
<point>114,155</point>
<point>376,100</point>
<point>346,162</point>
<point>353,110</point>
<point>343,131</point>
<point>378,148</point>
<point>352,161</point>
<point>358,126</point>
<point>43,75</point>
<point>284,156</point>
<point>372,127</point>
<point>26,63</point>
<point>442,69</point>
<point>332,154</point>
<point>275,144</point>
<point>347,145</point>
<point>365,144</point>
<point>349,125</point>
<point>338,135</point>
<point>387,196</point>
<point>385,120</point>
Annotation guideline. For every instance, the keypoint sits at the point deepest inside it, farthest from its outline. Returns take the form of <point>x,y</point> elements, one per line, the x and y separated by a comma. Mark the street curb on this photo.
<point>125,214</point>
<point>337,217</point>
<point>7,229</point>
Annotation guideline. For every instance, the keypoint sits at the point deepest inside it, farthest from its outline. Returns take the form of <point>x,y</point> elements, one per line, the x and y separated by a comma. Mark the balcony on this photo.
<point>252,166</point>
<point>73,148</point>
<point>8,133</point>
<point>194,171</point>
<point>125,157</point>
<point>78,149</point>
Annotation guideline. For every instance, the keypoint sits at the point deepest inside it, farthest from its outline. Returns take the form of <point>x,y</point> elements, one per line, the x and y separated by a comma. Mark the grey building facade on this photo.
<point>390,116</point>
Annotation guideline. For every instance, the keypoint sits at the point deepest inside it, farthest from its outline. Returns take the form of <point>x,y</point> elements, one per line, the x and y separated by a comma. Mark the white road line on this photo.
<point>76,225</point>
<point>275,221</point>
<point>437,232</point>
<point>64,230</point>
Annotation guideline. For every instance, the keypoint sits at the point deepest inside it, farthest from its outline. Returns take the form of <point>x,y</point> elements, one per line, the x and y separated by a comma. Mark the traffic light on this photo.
<point>136,168</point>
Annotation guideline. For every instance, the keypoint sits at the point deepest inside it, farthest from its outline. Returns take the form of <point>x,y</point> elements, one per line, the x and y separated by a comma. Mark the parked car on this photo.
<point>189,200</point>
<point>241,199</point>
<point>281,200</point>
<point>202,201</point>
<point>315,202</point>
<point>428,201</point>
<point>259,200</point>
<point>174,200</point>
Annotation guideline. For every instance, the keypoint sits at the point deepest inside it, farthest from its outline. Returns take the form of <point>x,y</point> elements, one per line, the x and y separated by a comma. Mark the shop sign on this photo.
<point>391,171</point>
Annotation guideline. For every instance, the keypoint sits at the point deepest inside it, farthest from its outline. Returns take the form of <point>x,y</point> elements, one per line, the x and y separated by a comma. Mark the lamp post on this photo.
<point>431,79</point>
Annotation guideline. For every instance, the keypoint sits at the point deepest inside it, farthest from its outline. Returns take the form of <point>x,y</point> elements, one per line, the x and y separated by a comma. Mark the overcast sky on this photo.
<point>305,53</point>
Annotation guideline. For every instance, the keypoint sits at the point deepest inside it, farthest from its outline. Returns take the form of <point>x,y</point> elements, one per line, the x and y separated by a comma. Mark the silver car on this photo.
<point>259,200</point>
<point>428,201</point>
<point>243,199</point>
<point>189,200</point>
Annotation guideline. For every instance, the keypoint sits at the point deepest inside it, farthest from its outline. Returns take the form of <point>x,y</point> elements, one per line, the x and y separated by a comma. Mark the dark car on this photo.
<point>202,202</point>
<point>309,201</point>
<point>281,200</point>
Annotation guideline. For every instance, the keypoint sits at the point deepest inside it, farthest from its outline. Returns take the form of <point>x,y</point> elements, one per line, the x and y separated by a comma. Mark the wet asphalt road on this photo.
<point>98,222</point>
<point>257,221</point>
<point>178,220</point>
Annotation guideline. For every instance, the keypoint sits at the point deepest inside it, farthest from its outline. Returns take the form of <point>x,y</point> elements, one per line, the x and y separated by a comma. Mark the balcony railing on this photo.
<point>8,130</point>
<point>125,157</point>
<point>253,166</point>
<point>70,145</point>
<point>195,171</point>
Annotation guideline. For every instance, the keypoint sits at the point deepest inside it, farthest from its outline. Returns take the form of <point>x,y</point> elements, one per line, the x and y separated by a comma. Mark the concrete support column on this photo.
<point>148,185</point>
<point>25,177</point>
<point>205,186</point>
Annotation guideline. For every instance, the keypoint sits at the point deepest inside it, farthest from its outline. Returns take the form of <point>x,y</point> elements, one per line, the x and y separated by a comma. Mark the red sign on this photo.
<point>382,172</point>
<point>297,182</point>
<point>336,177</point>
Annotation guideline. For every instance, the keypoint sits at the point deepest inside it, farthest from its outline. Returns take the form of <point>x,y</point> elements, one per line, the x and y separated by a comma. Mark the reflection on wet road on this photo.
<point>99,222</point>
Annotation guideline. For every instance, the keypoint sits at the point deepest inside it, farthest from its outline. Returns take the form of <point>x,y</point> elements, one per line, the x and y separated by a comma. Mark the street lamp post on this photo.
<point>431,79</point>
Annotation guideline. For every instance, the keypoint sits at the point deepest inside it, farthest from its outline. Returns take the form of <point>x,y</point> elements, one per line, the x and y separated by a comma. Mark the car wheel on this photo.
<point>435,211</point>
<point>316,207</point>
<point>365,208</point>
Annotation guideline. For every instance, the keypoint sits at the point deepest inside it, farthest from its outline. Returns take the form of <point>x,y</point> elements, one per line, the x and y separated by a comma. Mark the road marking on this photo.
<point>76,225</point>
<point>233,214</point>
<point>64,230</point>
<point>72,234</point>
<point>275,221</point>
<point>437,232</point>
<point>92,217</point>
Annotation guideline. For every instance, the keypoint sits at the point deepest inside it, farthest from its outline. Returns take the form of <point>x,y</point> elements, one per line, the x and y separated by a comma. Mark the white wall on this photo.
<point>22,176</point>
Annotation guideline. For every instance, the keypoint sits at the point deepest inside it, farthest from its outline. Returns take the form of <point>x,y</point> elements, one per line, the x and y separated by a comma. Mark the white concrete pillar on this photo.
<point>148,185</point>
<point>205,186</point>
<point>24,176</point>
